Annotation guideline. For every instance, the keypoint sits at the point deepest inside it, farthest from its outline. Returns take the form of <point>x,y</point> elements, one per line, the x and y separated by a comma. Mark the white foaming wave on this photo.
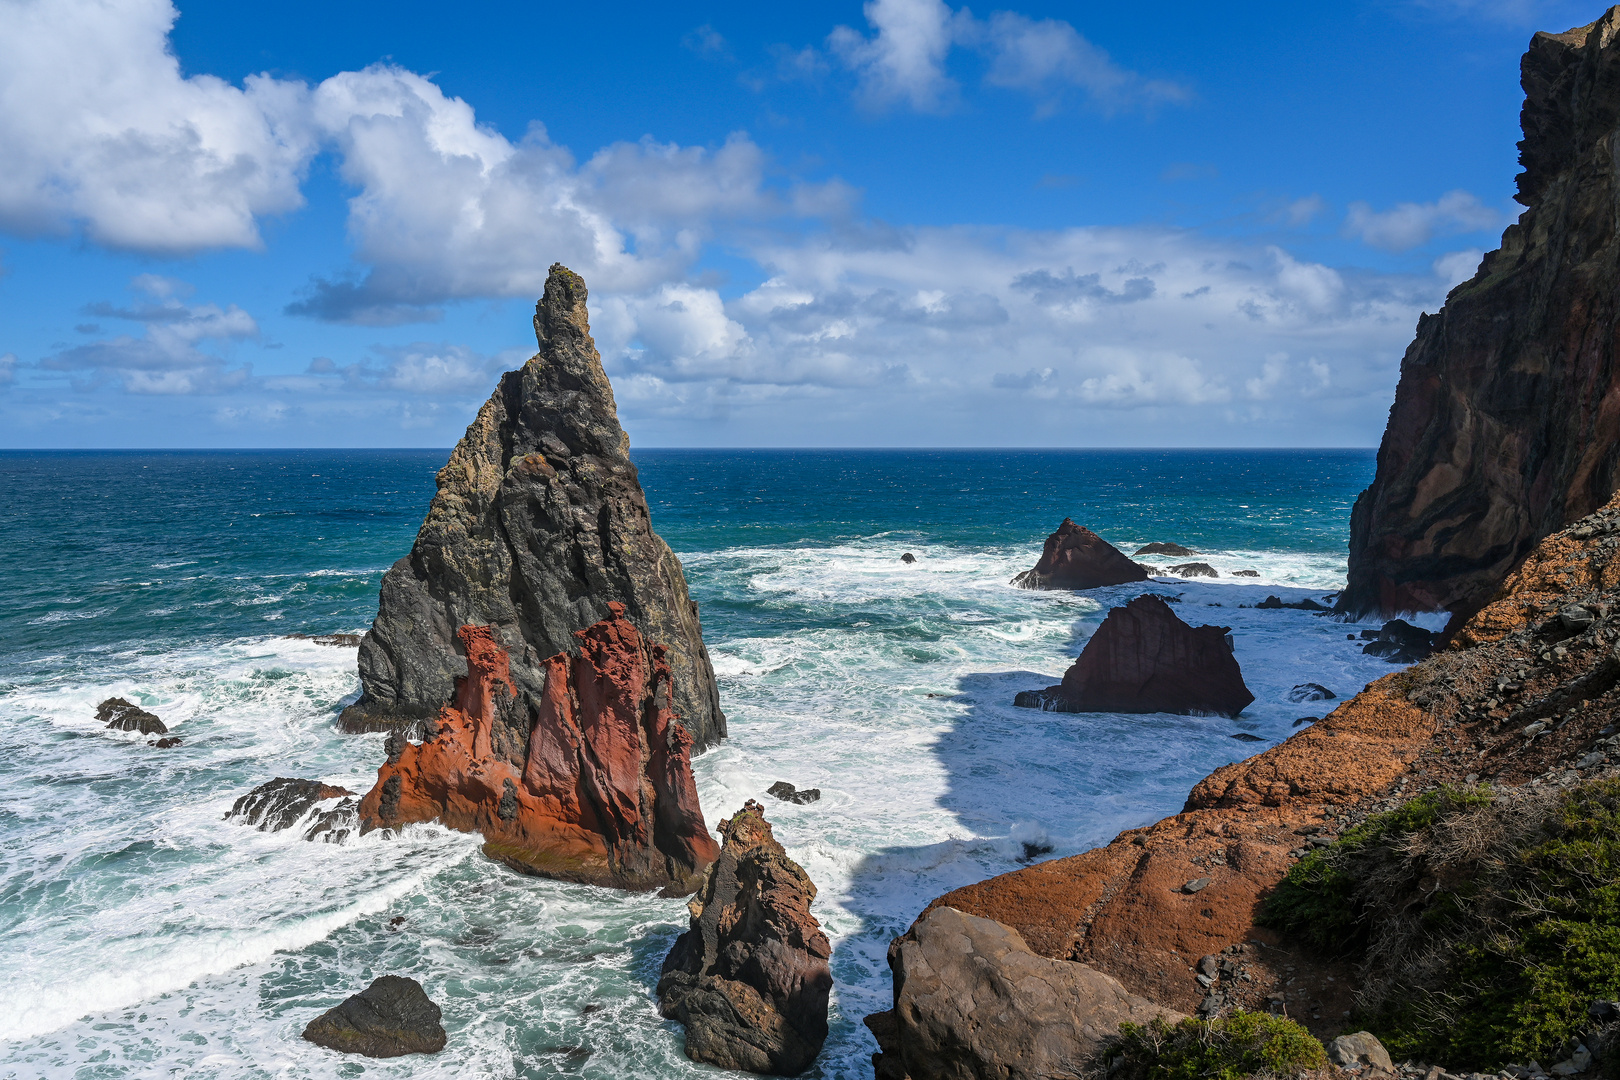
<point>68,616</point>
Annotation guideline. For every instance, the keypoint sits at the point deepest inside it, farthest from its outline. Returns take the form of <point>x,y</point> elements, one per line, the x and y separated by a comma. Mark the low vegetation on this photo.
<point>1243,1044</point>
<point>1485,922</point>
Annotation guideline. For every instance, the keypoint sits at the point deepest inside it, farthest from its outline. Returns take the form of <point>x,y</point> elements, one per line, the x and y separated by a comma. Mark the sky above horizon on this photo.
<point>903,223</point>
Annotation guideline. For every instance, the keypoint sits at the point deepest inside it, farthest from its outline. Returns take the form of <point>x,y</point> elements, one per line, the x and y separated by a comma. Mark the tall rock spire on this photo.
<point>1506,422</point>
<point>538,525</point>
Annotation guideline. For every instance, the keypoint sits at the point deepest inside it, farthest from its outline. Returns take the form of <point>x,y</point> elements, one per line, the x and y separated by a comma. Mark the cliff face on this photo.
<point>538,525</point>
<point>595,785</point>
<point>1506,422</point>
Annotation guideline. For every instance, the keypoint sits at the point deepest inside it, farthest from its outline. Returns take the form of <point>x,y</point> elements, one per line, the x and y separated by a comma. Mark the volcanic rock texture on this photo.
<point>594,785</point>
<point>750,979</point>
<point>1506,422</point>
<point>390,1018</point>
<point>539,523</point>
<point>1077,558</point>
<point>1143,658</point>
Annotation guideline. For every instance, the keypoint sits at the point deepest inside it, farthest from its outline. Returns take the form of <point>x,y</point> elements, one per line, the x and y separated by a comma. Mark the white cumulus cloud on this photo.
<point>1409,224</point>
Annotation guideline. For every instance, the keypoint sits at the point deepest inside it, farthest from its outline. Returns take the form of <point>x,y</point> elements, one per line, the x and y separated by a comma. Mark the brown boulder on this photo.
<point>1506,422</point>
<point>972,1000</point>
<point>1077,558</point>
<point>594,786</point>
<point>750,979</point>
<point>390,1018</point>
<point>1145,659</point>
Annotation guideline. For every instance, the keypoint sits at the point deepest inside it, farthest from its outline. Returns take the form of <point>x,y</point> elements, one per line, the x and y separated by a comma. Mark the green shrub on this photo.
<point>1239,1045</point>
<point>1485,923</point>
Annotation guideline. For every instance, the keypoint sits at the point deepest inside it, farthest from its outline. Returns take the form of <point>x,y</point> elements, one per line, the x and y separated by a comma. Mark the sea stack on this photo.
<point>750,980</point>
<point>594,785</point>
<point>1506,422</point>
<point>538,525</point>
<point>1145,659</point>
<point>1077,558</point>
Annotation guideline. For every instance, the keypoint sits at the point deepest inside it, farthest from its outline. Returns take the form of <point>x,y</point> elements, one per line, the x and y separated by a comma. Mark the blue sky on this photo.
<point>900,223</point>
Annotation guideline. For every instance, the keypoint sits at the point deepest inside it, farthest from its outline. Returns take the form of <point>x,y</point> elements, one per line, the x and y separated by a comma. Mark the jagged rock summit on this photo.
<point>1506,422</point>
<point>1145,659</point>
<point>595,785</point>
<point>538,525</point>
<point>1077,558</point>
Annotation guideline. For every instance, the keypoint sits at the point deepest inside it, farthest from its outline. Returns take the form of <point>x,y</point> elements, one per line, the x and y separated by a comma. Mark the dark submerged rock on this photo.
<point>1245,573</point>
<point>1145,659</point>
<point>1193,569</point>
<point>908,558</point>
<point>168,743</point>
<point>1310,692</point>
<point>538,525</point>
<point>121,715</point>
<point>750,979</point>
<point>1275,603</point>
<point>1077,558</point>
<point>788,793</point>
<point>282,803</point>
<point>1164,547</point>
<point>1399,642</point>
<point>390,1018</point>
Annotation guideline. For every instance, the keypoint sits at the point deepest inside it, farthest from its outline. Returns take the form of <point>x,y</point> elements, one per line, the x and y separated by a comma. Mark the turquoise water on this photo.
<point>146,936</point>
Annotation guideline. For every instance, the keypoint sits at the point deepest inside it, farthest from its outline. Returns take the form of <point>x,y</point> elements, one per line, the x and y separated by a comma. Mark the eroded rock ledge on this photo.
<point>593,785</point>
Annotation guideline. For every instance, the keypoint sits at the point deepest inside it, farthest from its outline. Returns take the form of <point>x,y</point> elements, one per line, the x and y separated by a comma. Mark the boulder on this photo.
<point>1359,1049</point>
<point>1193,569</point>
<point>390,1018</point>
<point>1245,573</point>
<point>1163,547</point>
<point>788,793</point>
<point>1399,642</point>
<point>1077,558</point>
<point>1505,423</point>
<point>538,525</point>
<point>972,1000</point>
<point>908,558</point>
<point>121,715</point>
<point>750,979</point>
<point>1310,692</point>
<point>1145,659</point>
<point>282,803</point>
<point>592,783</point>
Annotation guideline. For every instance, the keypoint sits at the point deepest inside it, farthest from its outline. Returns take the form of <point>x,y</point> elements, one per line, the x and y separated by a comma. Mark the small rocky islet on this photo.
<point>565,738</point>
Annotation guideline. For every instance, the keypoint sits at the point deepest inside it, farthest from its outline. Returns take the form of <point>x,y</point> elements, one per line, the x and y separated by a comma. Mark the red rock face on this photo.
<point>1506,422</point>
<point>1077,558</point>
<point>1145,659</point>
<point>595,785</point>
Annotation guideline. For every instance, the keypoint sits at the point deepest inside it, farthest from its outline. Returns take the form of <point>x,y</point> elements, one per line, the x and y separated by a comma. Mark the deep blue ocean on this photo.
<point>146,936</point>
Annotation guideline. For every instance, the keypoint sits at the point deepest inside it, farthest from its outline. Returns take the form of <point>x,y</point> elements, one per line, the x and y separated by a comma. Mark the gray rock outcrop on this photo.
<point>287,801</point>
<point>539,523</point>
<point>390,1018</point>
<point>750,979</point>
<point>121,715</point>
<point>972,1001</point>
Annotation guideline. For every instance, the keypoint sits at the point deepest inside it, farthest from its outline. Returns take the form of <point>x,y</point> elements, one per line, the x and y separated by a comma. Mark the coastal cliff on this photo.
<point>1518,714</point>
<point>1506,421</point>
<point>539,524</point>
